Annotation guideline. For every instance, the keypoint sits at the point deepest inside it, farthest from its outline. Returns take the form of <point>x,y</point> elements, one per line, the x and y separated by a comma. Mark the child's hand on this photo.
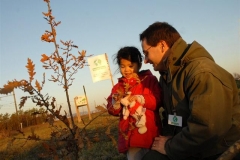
<point>132,98</point>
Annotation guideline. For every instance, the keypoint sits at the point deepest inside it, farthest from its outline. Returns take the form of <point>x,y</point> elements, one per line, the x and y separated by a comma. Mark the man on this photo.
<point>201,100</point>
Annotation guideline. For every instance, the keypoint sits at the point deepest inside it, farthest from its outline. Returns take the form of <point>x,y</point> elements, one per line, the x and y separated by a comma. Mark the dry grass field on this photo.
<point>99,146</point>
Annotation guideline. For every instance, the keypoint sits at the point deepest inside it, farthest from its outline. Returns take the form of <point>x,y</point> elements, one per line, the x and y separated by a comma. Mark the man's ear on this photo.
<point>163,45</point>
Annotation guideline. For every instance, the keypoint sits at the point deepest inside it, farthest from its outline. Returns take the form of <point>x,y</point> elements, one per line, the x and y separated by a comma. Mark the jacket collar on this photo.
<point>174,59</point>
<point>182,53</point>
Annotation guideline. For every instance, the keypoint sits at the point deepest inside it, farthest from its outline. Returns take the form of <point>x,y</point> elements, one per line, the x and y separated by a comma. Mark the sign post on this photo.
<point>78,101</point>
<point>81,101</point>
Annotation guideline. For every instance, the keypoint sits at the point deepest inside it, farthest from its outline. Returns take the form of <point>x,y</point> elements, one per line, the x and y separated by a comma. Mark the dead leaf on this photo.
<point>30,66</point>
<point>44,58</point>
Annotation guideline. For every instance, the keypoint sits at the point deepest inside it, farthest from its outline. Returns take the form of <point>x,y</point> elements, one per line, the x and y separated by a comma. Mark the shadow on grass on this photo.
<point>99,147</point>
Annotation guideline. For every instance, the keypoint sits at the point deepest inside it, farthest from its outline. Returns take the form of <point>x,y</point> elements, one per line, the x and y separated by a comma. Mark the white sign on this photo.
<point>99,68</point>
<point>80,100</point>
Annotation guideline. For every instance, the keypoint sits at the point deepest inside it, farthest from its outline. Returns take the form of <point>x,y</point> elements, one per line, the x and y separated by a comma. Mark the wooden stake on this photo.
<point>89,113</point>
<point>109,69</point>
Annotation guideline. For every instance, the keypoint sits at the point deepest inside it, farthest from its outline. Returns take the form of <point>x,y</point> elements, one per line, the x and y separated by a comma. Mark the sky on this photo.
<point>104,27</point>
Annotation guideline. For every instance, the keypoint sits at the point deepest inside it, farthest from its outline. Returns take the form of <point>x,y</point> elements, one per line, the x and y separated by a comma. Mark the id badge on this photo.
<point>175,120</point>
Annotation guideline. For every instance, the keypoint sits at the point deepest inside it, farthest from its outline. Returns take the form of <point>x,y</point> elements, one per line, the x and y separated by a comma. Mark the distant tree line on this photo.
<point>9,123</point>
<point>238,83</point>
<point>237,79</point>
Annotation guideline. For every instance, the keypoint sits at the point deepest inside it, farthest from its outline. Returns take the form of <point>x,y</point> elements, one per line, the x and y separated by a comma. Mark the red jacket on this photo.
<point>128,132</point>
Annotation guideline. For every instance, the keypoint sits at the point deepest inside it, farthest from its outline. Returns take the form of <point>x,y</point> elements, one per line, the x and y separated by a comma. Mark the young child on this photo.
<point>136,98</point>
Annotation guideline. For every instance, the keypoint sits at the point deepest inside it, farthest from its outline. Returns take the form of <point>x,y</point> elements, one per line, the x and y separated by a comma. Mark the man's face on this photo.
<point>153,55</point>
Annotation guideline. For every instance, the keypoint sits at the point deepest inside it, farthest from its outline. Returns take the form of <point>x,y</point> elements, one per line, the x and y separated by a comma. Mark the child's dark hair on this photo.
<point>129,53</point>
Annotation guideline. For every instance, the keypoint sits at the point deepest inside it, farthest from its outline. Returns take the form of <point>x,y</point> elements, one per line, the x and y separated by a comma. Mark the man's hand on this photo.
<point>159,143</point>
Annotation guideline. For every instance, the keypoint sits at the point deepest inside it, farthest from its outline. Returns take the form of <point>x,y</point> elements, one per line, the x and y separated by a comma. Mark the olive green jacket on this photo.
<point>205,96</point>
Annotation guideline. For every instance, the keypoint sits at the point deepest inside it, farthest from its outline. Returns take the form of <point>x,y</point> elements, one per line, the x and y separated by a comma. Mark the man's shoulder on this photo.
<point>204,65</point>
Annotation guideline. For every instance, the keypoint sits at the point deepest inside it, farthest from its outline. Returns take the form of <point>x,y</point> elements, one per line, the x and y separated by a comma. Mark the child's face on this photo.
<point>127,68</point>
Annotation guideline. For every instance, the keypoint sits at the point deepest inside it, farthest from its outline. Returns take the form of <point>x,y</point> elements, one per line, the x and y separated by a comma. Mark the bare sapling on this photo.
<point>67,141</point>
